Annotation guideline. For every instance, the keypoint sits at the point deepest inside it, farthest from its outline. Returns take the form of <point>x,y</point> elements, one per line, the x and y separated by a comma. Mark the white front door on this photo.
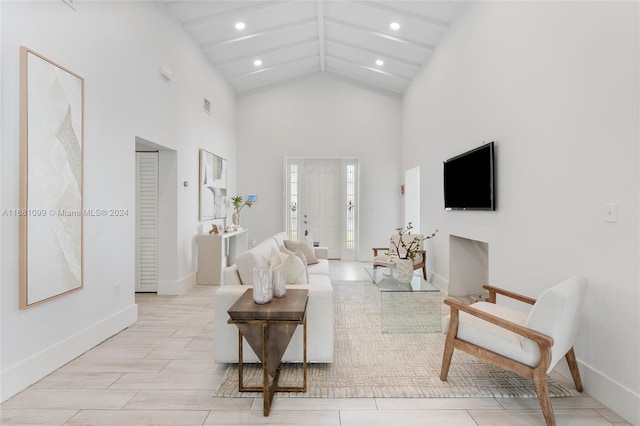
<point>321,199</point>
<point>321,208</point>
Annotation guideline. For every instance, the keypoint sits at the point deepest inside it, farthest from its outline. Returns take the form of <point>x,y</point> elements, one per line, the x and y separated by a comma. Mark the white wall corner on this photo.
<point>176,287</point>
<point>18,377</point>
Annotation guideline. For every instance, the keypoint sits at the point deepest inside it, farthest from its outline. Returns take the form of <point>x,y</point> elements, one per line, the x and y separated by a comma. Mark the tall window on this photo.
<point>351,206</point>
<point>293,202</point>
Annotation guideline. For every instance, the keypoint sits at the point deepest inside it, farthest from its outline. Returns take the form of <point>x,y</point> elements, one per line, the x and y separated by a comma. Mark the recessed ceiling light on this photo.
<point>394,26</point>
<point>240,26</point>
<point>379,62</point>
<point>257,62</point>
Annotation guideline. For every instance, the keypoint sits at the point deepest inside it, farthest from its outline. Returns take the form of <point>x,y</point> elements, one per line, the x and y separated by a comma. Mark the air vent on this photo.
<point>206,106</point>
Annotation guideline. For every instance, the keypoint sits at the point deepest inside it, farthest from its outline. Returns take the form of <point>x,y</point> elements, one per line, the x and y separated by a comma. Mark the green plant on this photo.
<point>239,202</point>
<point>410,247</point>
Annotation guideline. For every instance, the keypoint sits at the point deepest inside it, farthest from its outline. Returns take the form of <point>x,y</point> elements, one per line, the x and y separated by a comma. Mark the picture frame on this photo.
<point>213,186</point>
<point>51,180</point>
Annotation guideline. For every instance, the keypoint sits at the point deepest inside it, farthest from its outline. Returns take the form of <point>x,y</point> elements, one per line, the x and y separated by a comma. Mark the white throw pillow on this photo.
<point>246,262</point>
<point>304,261</point>
<point>295,270</point>
<point>276,258</point>
<point>304,247</point>
<point>286,251</point>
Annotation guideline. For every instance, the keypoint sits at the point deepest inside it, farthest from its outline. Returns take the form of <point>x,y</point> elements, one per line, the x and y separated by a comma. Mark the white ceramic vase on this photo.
<point>279,282</point>
<point>404,270</point>
<point>262,289</point>
<point>235,218</point>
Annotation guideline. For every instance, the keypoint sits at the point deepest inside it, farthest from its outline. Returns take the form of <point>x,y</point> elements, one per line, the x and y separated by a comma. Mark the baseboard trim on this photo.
<point>439,281</point>
<point>177,287</point>
<point>615,396</point>
<point>22,375</point>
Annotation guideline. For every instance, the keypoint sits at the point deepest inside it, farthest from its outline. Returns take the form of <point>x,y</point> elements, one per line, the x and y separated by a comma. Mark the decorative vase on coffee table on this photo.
<point>404,270</point>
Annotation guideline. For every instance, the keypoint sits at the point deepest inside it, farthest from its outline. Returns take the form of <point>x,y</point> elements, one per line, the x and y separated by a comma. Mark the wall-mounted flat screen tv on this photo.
<point>469,180</point>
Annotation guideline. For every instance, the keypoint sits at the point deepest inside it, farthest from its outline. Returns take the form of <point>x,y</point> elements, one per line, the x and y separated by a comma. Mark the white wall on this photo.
<point>117,47</point>
<point>556,85</point>
<point>321,116</point>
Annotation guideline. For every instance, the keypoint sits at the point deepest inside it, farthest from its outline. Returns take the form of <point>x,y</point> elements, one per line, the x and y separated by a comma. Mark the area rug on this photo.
<point>371,361</point>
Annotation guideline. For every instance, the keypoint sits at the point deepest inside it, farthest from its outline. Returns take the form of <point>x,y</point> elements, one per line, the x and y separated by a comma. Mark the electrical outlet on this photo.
<point>116,289</point>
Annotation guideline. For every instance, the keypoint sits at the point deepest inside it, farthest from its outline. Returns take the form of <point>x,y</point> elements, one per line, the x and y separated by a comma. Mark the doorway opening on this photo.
<point>322,199</point>
<point>412,198</point>
<point>156,218</point>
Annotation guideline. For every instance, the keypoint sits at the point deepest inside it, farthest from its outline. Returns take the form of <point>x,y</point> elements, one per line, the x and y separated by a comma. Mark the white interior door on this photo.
<point>412,198</point>
<point>321,210</point>
<point>146,221</point>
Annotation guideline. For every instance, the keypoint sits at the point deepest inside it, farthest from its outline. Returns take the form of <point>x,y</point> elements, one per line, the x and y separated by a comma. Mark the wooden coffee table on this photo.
<point>268,329</point>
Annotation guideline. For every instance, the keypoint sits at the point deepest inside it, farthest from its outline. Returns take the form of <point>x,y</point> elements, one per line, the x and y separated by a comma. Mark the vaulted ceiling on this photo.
<point>382,44</point>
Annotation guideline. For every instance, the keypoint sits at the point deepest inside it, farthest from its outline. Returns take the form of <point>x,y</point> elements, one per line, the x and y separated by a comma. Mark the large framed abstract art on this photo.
<point>51,184</point>
<point>213,186</point>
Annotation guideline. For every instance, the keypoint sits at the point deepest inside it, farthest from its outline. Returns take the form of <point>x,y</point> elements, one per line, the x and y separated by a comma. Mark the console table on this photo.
<point>216,252</point>
<point>268,329</point>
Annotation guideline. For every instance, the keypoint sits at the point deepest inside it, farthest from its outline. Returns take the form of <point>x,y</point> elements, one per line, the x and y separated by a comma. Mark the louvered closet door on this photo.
<point>147,221</point>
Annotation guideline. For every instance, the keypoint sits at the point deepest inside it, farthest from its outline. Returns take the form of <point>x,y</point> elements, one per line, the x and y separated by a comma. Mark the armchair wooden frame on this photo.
<point>538,373</point>
<point>422,264</point>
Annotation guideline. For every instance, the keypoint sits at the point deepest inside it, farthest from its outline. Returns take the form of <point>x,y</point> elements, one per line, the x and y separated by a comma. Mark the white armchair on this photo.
<point>529,345</point>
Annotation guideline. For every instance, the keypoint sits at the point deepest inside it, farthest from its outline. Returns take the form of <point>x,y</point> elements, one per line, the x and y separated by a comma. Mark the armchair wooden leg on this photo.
<point>449,344</point>
<point>540,383</point>
<point>446,359</point>
<point>573,367</point>
<point>424,272</point>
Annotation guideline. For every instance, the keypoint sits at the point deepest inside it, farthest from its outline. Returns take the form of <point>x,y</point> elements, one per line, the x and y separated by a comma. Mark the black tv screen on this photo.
<point>469,180</point>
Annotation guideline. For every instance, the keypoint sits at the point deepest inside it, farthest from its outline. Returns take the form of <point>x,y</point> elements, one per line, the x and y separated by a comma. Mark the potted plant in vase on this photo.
<point>405,250</point>
<point>238,203</point>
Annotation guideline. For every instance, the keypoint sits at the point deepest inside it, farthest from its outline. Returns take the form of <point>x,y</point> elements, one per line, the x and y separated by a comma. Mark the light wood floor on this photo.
<point>161,371</point>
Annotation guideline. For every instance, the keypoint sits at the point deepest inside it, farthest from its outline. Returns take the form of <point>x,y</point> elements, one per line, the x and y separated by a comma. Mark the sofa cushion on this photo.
<point>497,339</point>
<point>320,268</point>
<point>257,256</point>
<point>280,237</point>
<point>301,256</point>
<point>304,247</point>
<point>319,280</point>
<point>277,258</point>
<point>285,250</point>
<point>296,271</point>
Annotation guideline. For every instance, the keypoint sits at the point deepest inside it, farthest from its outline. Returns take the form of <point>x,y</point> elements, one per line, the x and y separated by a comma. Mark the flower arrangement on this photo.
<point>410,248</point>
<point>239,202</point>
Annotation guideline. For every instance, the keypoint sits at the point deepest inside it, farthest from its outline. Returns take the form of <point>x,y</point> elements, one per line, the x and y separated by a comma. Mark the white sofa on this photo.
<point>320,318</point>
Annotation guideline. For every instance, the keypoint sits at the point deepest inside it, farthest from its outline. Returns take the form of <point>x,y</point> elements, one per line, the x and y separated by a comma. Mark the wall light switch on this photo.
<point>611,212</point>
